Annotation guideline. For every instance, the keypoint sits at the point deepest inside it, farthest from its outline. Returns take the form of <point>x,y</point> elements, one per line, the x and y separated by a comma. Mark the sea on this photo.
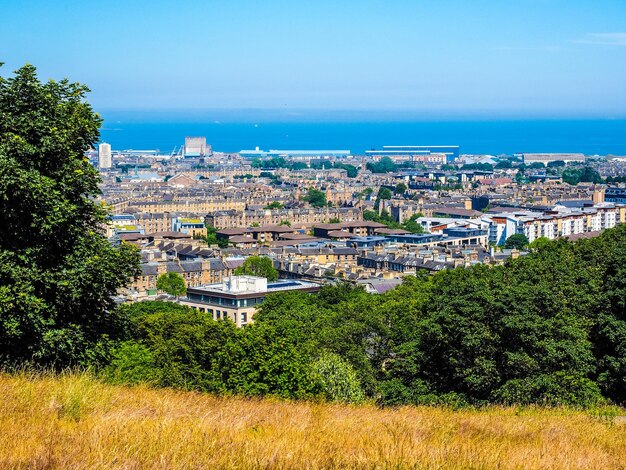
<point>477,136</point>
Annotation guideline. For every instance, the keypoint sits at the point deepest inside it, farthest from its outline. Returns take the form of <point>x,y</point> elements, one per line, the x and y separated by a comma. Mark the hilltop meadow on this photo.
<point>75,421</point>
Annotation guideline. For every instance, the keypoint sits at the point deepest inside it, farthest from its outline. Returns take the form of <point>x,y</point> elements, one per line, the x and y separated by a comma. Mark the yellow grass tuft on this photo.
<point>75,421</point>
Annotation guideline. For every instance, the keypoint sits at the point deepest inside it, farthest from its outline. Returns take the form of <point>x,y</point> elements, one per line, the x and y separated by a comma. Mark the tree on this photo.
<point>412,225</point>
<point>518,241</point>
<point>298,166</point>
<point>211,238</point>
<point>351,170</point>
<point>384,165</point>
<point>338,380</point>
<point>261,266</point>
<point>315,197</point>
<point>171,283</point>
<point>274,205</point>
<point>58,273</point>
<point>504,164</point>
<point>400,188</point>
<point>384,193</point>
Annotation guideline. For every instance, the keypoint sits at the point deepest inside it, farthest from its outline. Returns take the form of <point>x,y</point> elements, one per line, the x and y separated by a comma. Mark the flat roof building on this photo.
<point>450,151</point>
<point>546,158</point>
<point>257,153</point>
<point>237,297</point>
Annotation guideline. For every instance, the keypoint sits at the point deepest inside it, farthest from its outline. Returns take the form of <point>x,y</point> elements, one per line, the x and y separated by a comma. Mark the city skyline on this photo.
<point>450,58</point>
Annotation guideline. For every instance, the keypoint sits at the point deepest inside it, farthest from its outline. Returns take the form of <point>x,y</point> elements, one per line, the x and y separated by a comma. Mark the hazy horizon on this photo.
<point>561,58</point>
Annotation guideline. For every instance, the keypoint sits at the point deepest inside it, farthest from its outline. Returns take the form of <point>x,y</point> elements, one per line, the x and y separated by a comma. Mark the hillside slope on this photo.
<point>75,421</point>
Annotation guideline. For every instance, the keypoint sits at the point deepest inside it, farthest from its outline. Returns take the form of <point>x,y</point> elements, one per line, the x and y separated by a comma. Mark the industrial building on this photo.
<point>450,151</point>
<point>196,147</point>
<point>546,158</point>
<point>257,153</point>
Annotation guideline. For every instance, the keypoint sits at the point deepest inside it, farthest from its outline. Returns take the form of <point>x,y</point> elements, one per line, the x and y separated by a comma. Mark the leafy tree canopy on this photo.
<point>258,266</point>
<point>518,241</point>
<point>400,188</point>
<point>315,197</point>
<point>384,165</point>
<point>58,273</point>
<point>171,283</point>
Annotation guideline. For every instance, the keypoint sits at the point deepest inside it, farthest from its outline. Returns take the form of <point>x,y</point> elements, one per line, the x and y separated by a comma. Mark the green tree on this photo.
<point>351,170</point>
<point>274,205</point>
<point>384,165</point>
<point>412,225</point>
<point>506,163</point>
<point>298,166</point>
<point>171,283</point>
<point>519,241</point>
<point>338,380</point>
<point>315,197</point>
<point>384,193</point>
<point>400,188</point>
<point>211,237</point>
<point>261,266</point>
<point>58,273</point>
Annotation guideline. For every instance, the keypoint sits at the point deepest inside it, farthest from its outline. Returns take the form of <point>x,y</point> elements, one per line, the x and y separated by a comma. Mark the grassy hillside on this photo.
<point>75,421</point>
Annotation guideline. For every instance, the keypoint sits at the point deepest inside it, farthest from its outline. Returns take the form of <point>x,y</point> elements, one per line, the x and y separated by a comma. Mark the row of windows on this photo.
<point>223,314</point>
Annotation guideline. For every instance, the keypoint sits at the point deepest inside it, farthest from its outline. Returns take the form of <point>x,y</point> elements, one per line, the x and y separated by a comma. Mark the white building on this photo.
<point>558,222</point>
<point>196,147</point>
<point>104,156</point>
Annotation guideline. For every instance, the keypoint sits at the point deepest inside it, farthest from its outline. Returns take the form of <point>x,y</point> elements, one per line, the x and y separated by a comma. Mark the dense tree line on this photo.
<point>547,328</point>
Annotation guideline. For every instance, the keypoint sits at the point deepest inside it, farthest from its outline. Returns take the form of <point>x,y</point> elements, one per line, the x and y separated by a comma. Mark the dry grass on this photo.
<point>74,421</point>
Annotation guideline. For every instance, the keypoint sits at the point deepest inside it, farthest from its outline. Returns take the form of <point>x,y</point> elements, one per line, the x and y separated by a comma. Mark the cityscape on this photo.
<point>313,235</point>
<point>327,216</point>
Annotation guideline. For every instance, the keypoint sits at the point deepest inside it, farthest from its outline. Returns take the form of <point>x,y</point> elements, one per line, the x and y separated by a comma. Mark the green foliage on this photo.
<point>384,165</point>
<point>548,328</point>
<point>384,217</point>
<point>337,378</point>
<point>175,346</point>
<point>477,166</point>
<point>274,205</point>
<point>504,164</point>
<point>536,166</point>
<point>298,166</point>
<point>258,266</point>
<point>270,163</point>
<point>384,193</point>
<point>519,241</point>
<point>315,197</point>
<point>351,170</point>
<point>539,243</point>
<point>412,225</point>
<point>211,238</point>
<point>58,273</point>
<point>586,174</point>
<point>171,283</point>
<point>400,188</point>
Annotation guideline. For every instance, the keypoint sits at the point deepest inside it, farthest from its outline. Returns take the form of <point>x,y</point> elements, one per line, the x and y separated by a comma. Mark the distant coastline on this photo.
<point>474,136</point>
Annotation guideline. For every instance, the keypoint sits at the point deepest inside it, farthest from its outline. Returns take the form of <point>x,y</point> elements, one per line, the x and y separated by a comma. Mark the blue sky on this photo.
<point>471,57</point>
